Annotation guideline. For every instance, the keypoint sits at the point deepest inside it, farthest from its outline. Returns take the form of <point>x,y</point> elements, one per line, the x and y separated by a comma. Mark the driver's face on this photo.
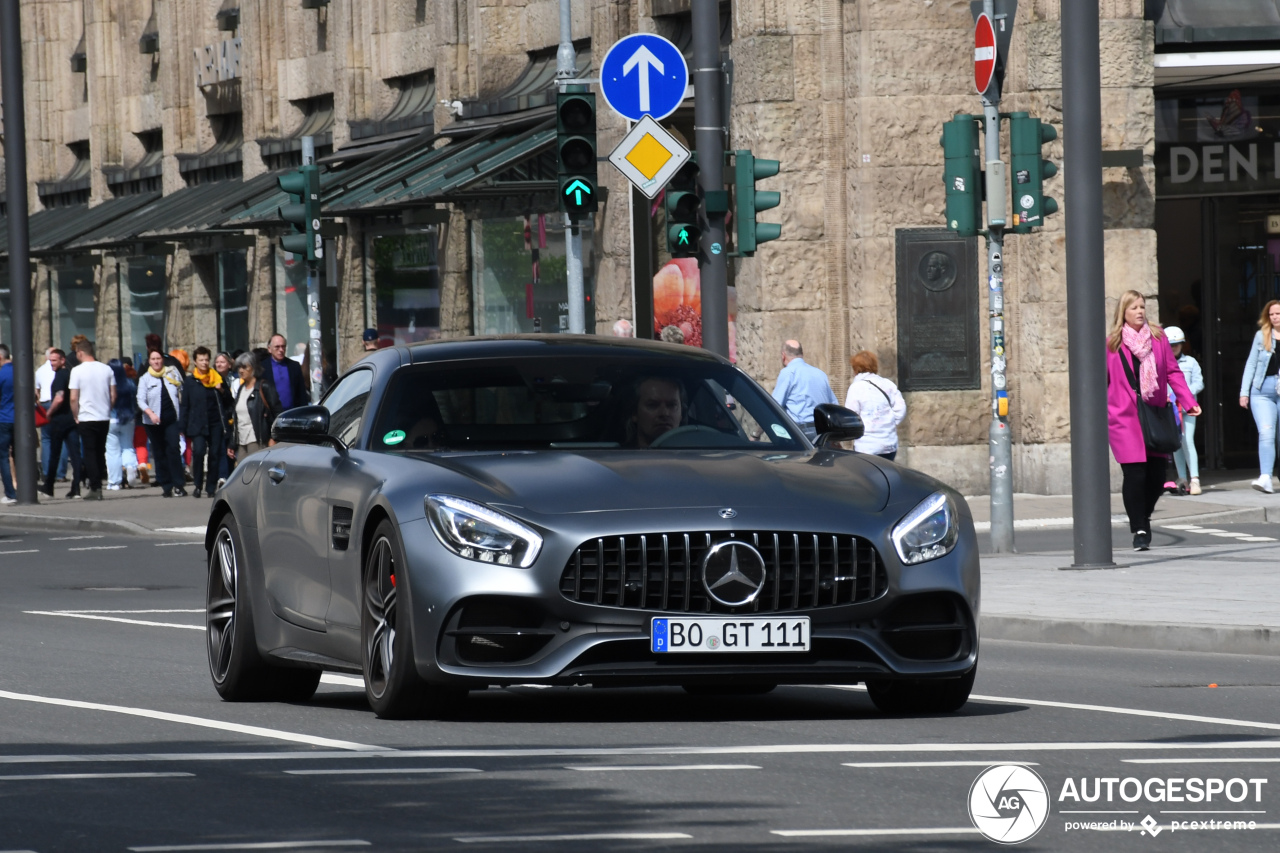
<point>658,411</point>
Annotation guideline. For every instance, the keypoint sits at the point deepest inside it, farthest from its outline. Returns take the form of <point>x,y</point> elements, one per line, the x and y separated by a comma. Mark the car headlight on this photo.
<point>476,532</point>
<point>928,532</point>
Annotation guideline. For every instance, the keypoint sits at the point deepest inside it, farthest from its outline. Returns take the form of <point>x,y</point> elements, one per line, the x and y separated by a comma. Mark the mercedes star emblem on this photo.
<point>733,573</point>
<point>728,513</point>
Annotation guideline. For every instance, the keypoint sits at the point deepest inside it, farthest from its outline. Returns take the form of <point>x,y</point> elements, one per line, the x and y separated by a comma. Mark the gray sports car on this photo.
<point>579,510</point>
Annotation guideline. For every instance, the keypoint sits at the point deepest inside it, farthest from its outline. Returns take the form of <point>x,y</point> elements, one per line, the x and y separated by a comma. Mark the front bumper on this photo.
<point>477,624</point>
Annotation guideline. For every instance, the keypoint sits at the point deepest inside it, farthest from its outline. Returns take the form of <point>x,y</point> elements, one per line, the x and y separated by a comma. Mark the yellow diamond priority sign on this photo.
<point>649,156</point>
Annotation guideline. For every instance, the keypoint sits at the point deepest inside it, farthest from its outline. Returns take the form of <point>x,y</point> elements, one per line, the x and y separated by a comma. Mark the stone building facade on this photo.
<point>172,115</point>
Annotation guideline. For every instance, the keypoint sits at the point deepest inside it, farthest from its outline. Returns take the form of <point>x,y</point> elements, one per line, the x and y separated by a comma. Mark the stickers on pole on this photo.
<point>649,156</point>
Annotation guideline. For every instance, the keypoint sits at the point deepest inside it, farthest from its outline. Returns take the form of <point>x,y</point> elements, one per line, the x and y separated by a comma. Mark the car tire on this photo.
<point>750,689</point>
<point>237,668</point>
<point>921,696</point>
<point>391,681</point>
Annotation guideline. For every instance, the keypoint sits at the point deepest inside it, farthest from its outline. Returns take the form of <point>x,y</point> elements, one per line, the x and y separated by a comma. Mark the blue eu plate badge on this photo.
<point>660,635</point>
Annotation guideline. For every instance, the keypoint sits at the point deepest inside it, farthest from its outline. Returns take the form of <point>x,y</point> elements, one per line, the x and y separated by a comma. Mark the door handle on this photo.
<point>276,474</point>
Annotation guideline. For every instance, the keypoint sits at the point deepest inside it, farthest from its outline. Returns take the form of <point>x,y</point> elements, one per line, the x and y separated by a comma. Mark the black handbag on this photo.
<point>1159,423</point>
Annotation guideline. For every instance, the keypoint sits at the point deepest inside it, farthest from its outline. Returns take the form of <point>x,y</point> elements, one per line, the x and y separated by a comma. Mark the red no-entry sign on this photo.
<point>984,53</point>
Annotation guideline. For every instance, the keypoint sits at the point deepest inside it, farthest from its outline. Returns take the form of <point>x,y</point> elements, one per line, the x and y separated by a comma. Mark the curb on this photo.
<point>32,521</point>
<point>1156,636</point>
<point>1247,514</point>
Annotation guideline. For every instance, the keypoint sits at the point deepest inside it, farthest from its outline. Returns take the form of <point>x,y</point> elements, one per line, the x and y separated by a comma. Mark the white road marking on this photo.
<point>186,719</point>
<point>819,833</point>
<point>113,619</point>
<point>1227,535</point>
<point>50,776</point>
<point>258,845</point>
<point>28,551</point>
<point>1250,760</point>
<point>70,538</point>
<point>937,763</point>
<point>1133,712</point>
<point>171,544</point>
<point>114,589</point>
<point>99,548</point>
<point>1191,527</point>
<point>360,771</point>
<point>596,767</point>
<point>1209,530</point>
<point>1257,539</point>
<point>344,680</point>
<point>200,529</point>
<point>68,612</point>
<point>595,836</point>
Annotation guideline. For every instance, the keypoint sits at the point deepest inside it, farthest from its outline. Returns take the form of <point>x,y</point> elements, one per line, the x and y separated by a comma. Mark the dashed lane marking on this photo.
<point>70,538</point>
<point>362,771</point>
<point>593,836</point>
<point>253,845</point>
<point>344,680</point>
<point>40,777</point>
<point>27,551</point>
<point>588,768</point>
<point>99,548</point>
<point>202,722</point>
<point>875,764</point>
<point>924,830</point>
<point>114,619</point>
<point>73,612</point>
<point>200,529</point>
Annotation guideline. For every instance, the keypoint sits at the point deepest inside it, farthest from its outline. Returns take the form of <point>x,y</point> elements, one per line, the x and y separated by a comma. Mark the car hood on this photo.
<point>559,482</point>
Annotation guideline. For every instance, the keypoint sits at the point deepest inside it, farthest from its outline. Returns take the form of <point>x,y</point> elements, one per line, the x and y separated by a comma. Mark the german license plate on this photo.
<point>729,635</point>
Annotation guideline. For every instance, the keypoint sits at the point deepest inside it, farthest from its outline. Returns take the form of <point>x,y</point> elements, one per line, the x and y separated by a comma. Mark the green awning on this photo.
<point>54,230</point>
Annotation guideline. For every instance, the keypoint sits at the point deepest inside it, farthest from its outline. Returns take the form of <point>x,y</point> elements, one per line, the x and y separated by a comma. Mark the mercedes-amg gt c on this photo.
<point>577,510</point>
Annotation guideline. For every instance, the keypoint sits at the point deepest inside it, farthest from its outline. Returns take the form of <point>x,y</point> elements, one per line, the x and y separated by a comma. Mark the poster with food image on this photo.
<point>677,305</point>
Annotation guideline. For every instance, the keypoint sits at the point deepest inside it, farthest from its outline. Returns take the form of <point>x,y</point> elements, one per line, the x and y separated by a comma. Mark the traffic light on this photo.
<point>1027,136</point>
<point>747,169</point>
<point>576,153</point>
<point>303,212</point>
<point>962,174</point>
<point>683,205</point>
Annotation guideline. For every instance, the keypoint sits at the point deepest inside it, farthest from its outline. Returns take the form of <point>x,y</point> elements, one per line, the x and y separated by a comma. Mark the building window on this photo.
<point>142,300</point>
<point>233,301</point>
<point>75,304</point>
<point>406,282</point>
<point>519,282</point>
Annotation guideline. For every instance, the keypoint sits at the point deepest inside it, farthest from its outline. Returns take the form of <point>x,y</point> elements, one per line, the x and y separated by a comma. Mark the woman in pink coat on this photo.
<point>1150,358</point>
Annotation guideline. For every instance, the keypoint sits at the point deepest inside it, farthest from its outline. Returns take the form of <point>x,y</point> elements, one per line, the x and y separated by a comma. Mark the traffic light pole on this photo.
<point>25,445</point>
<point>313,296</point>
<point>1001,445</point>
<point>566,70</point>
<point>708,121</point>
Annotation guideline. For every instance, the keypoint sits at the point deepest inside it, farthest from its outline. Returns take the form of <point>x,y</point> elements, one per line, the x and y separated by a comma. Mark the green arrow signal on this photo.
<point>577,188</point>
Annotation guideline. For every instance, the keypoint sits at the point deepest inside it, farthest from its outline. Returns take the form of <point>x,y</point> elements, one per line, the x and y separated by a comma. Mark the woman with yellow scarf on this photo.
<point>204,407</point>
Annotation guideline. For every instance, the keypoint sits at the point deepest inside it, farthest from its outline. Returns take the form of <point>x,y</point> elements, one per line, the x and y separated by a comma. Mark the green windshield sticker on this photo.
<point>780,431</point>
<point>394,437</point>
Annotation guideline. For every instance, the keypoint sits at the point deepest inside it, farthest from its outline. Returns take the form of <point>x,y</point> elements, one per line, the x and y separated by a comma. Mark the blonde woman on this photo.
<point>880,404</point>
<point>1258,391</point>
<point>1138,354</point>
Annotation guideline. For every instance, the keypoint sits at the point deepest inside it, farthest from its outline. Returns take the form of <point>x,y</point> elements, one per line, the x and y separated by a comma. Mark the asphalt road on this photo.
<point>113,739</point>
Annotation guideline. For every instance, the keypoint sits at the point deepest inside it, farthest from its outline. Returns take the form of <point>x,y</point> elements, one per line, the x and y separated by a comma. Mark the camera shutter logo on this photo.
<point>1009,803</point>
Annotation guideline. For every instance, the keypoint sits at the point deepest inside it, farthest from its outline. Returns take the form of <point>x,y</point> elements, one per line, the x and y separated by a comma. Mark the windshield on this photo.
<point>571,402</point>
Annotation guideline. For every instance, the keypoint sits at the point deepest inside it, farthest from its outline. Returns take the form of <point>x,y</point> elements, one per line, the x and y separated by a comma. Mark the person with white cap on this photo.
<point>1186,459</point>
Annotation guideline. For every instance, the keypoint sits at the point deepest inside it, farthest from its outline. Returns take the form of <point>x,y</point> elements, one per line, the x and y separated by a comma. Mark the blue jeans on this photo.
<point>1186,457</point>
<point>1265,405</point>
<point>120,453</point>
<point>45,440</point>
<point>6,441</point>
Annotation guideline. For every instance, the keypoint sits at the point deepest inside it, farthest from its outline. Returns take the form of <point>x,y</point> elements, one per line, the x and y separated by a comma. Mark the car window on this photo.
<point>345,402</point>
<point>567,402</point>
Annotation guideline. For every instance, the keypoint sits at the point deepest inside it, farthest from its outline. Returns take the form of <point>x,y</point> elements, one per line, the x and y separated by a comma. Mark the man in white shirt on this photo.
<point>44,393</point>
<point>93,396</point>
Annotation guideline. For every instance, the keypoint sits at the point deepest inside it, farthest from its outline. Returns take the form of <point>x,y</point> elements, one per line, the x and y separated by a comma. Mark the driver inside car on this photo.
<point>659,409</point>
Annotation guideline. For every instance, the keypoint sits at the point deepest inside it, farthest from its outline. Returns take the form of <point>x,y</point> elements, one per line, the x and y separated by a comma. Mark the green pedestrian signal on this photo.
<point>302,213</point>
<point>749,201</point>
<point>576,153</point>
<point>1027,138</point>
<point>962,174</point>
<point>683,205</point>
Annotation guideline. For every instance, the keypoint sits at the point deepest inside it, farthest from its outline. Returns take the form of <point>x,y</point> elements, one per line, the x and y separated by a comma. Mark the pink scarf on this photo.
<point>1138,342</point>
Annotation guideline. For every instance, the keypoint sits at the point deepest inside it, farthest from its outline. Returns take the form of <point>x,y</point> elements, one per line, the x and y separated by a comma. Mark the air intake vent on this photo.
<point>342,516</point>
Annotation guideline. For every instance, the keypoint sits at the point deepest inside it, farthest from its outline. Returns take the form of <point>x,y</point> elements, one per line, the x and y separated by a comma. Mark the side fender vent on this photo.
<point>342,516</point>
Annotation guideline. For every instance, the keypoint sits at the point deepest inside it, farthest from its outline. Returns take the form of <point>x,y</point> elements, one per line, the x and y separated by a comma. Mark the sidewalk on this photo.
<point>140,510</point>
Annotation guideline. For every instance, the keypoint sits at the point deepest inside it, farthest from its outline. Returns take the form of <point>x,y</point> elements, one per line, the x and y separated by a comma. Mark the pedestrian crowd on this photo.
<point>109,426</point>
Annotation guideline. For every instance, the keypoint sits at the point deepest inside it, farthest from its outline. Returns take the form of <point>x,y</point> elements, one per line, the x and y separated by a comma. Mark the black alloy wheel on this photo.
<point>238,671</point>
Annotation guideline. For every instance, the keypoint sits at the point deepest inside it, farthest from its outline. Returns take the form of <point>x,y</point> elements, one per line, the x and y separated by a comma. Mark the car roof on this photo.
<point>515,346</point>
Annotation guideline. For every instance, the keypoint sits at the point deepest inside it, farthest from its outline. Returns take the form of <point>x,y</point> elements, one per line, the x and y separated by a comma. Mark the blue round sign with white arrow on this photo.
<point>643,74</point>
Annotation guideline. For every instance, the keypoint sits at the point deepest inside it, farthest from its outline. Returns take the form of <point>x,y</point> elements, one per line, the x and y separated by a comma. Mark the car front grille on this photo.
<point>663,571</point>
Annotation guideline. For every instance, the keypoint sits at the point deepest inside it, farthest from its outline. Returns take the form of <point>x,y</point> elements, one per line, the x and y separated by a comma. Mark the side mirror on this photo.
<point>836,423</point>
<point>305,425</point>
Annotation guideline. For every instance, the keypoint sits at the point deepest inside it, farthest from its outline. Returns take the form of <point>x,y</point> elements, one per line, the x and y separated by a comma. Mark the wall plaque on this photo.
<point>938,300</point>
